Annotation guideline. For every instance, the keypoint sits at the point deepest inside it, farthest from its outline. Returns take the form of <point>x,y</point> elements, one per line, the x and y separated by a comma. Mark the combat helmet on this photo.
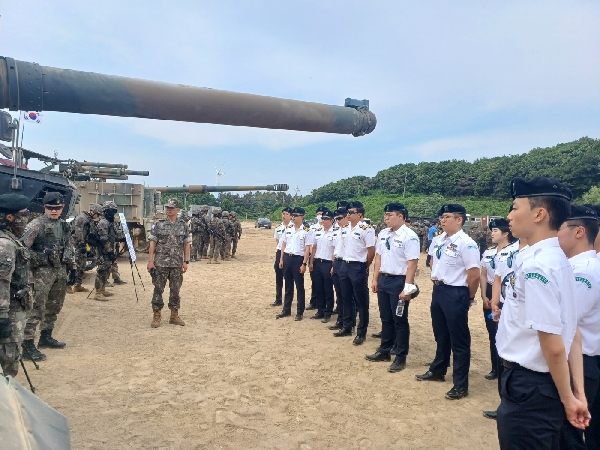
<point>216,211</point>
<point>96,208</point>
<point>109,205</point>
<point>233,214</point>
<point>225,213</point>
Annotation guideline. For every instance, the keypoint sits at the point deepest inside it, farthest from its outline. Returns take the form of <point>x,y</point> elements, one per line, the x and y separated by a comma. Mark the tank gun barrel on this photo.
<point>86,164</point>
<point>203,189</point>
<point>30,87</point>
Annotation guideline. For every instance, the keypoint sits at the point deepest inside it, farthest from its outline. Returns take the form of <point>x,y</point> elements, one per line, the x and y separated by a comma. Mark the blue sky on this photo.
<point>446,79</point>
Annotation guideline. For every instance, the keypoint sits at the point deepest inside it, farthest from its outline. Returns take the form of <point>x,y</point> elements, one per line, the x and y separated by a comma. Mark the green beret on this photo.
<point>53,198</point>
<point>13,202</point>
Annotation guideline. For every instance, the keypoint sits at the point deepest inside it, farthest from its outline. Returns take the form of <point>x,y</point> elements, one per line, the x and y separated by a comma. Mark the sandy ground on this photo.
<point>236,378</point>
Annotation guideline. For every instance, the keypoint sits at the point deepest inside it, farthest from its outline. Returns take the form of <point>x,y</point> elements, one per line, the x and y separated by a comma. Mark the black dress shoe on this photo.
<point>336,326</point>
<point>281,315</point>
<point>298,317</point>
<point>276,303</point>
<point>311,307</point>
<point>428,376</point>
<point>492,375</point>
<point>343,332</point>
<point>397,366</point>
<point>457,393</point>
<point>358,340</point>
<point>318,316</point>
<point>325,319</point>
<point>378,356</point>
<point>376,335</point>
<point>490,414</point>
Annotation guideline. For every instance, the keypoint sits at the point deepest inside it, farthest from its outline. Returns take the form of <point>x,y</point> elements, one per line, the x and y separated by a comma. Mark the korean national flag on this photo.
<point>32,117</point>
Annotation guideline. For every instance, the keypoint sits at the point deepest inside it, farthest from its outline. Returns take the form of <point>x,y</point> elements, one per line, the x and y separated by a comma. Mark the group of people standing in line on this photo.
<point>214,236</point>
<point>539,283</point>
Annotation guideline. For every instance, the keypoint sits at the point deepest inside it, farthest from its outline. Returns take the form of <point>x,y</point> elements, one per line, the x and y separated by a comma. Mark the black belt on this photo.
<point>439,283</point>
<point>355,262</point>
<point>390,275</point>
<point>338,259</point>
<point>323,260</point>
<point>293,256</point>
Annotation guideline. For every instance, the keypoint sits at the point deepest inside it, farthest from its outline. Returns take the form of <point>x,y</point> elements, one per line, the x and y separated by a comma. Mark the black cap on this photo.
<point>355,205</point>
<point>538,187</point>
<point>342,204</point>
<point>452,208</point>
<point>322,208</point>
<point>53,198</point>
<point>287,209</point>
<point>582,212</point>
<point>341,212</point>
<point>396,207</point>
<point>329,214</point>
<point>501,224</point>
<point>596,208</point>
<point>298,210</point>
<point>13,202</point>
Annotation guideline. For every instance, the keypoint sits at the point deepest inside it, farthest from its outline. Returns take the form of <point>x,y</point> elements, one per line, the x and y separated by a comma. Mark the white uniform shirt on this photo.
<point>505,263</point>
<point>435,241</point>
<point>586,268</point>
<point>324,241</point>
<point>278,233</point>
<point>339,239</point>
<point>452,257</point>
<point>488,260</point>
<point>358,240</point>
<point>296,240</point>
<point>545,300</point>
<point>403,246</point>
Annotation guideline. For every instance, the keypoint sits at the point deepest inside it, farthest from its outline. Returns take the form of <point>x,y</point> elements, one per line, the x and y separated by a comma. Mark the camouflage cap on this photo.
<point>109,205</point>
<point>53,198</point>
<point>13,202</point>
<point>172,203</point>
<point>96,208</point>
<point>225,213</point>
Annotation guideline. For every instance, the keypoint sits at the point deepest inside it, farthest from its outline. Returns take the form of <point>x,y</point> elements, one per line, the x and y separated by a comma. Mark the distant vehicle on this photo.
<point>263,222</point>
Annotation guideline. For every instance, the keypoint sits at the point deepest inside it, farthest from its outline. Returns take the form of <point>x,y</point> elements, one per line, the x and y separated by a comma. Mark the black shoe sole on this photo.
<point>51,346</point>
<point>439,380</point>
<point>378,360</point>
<point>394,370</point>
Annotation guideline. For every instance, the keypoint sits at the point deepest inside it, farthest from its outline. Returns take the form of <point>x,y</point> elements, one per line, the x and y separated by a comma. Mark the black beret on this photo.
<point>53,198</point>
<point>538,187</point>
<point>355,205</point>
<point>287,209</point>
<point>298,210</point>
<point>597,208</point>
<point>501,224</point>
<point>13,202</point>
<point>322,208</point>
<point>329,214</point>
<point>582,212</point>
<point>396,207</point>
<point>341,212</point>
<point>452,208</point>
<point>342,204</point>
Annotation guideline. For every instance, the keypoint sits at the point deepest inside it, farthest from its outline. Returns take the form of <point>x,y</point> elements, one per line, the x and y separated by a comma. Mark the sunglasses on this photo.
<point>54,208</point>
<point>339,217</point>
<point>297,215</point>
<point>326,218</point>
<point>24,213</point>
<point>351,212</point>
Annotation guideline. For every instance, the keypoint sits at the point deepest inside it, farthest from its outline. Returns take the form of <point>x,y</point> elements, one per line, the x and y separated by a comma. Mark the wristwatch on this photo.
<point>304,264</point>
<point>187,262</point>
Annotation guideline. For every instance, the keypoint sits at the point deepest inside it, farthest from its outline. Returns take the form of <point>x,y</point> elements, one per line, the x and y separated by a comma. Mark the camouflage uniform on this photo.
<point>226,244</point>
<point>52,254</point>
<point>106,252</point>
<point>170,238</point>
<point>217,230</point>
<point>14,276</point>
<point>81,227</point>
<point>119,236</point>
<point>196,229</point>
<point>204,233</point>
<point>237,233</point>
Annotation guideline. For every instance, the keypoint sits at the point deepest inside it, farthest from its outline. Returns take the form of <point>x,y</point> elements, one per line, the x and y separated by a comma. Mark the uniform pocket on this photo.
<point>517,389</point>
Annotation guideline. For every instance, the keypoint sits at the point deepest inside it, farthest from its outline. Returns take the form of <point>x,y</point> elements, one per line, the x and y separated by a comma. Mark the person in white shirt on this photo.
<point>314,227</point>
<point>594,429</point>
<point>576,237</point>
<point>537,335</point>
<point>321,265</point>
<point>285,221</point>
<point>297,241</point>
<point>455,275</point>
<point>359,252</point>
<point>396,258</point>
<point>341,229</point>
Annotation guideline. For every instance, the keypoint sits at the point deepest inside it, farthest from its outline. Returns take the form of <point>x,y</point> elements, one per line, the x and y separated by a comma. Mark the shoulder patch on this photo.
<point>584,281</point>
<point>536,276</point>
<point>473,246</point>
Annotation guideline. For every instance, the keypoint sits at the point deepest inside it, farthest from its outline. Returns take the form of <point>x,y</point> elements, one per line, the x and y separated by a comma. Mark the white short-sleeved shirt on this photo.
<point>452,257</point>
<point>339,239</point>
<point>324,241</point>
<point>586,268</point>
<point>296,240</point>
<point>359,239</point>
<point>434,243</point>
<point>404,246</point>
<point>277,234</point>
<point>545,300</point>
<point>488,260</point>
<point>505,263</point>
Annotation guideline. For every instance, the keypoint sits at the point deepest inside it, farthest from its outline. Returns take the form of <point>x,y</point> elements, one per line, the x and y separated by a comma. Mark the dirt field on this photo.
<point>236,378</point>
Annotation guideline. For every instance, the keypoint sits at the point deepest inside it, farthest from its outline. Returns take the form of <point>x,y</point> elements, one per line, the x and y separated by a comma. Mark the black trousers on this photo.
<point>428,260</point>
<point>571,437</point>
<point>278,278</point>
<point>338,267</point>
<point>394,330</point>
<point>492,328</point>
<point>313,290</point>
<point>530,414</point>
<point>323,284</point>
<point>353,281</point>
<point>292,275</point>
<point>449,317</point>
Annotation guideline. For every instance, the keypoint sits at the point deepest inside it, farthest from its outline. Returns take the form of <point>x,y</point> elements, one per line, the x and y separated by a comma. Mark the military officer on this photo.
<point>15,286</point>
<point>119,247</point>
<point>313,293</point>
<point>278,233</point>
<point>196,228</point>
<point>359,252</point>
<point>226,239</point>
<point>537,332</point>
<point>81,228</point>
<point>168,259</point>
<point>396,259</point>
<point>455,275</point>
<point>237,232</point>
<point>105,244</point>
<point>321,264</point>
<point>217,238</point>
<point>341,230</point>
<point>297,240</point>
<point>52,254</point>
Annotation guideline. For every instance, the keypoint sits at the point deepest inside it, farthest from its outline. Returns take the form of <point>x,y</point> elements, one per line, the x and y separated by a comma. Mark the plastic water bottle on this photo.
<point>400,308</point>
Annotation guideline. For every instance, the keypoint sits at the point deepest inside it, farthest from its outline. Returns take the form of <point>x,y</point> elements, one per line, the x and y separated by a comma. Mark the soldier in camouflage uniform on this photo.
<point>105,241</point>
<point>226,244</point>
<point>81,227</point>
<point>52,255</point>
<point>217,236</point>
<point>196,228</point>
<point>15,289</point>
<point>114,268</point>
<point>237,232</point>
<point>204,233</point>
<point>168,259</point>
